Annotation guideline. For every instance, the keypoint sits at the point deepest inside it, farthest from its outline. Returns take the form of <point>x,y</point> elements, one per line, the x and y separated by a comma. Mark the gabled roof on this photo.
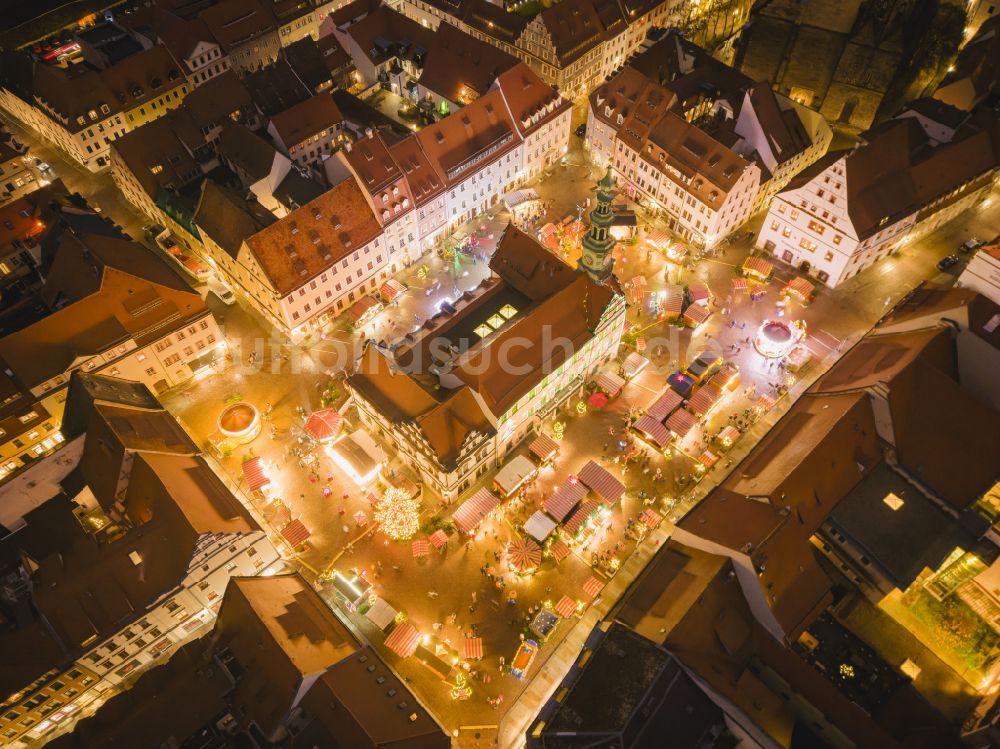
<point>447,425</point>
<point>247,151</point>
<point>237,22</point>
<point>228,219</point>
<point>313,238</point>
<point>307,118</point>
<point>459,66</point>
<point>532,102</point>
<point>576,27</point>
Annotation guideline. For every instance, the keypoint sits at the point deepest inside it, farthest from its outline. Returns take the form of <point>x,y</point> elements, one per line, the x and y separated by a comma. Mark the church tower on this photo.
<point>597,257</point>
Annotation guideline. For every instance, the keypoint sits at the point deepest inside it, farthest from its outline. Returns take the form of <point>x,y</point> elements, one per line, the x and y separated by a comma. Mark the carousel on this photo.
<point>776,338</point>
<point>239,423</point>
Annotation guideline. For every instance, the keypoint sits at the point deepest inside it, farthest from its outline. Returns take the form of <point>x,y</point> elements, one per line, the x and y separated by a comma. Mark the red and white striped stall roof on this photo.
<point>559,550</point>
<point>758,266</point>
<point>610,383</point>
<point>705,399</point>
<point>699,292</point>
<point>544,447</point>
<point>566,607</point>
<point>728,435</point>
<point>255,475</point>
<point>421,547</point>
<point>739,284</point>
<point>708,459</point>
<point>403,640</point>
<point>765,402</point>
<point>439,538</point>
<point>324,425</point>
<point>695,314</point>
<point>592,586</point>
<point>475,509</point>
<point>564,499</point>
<point>391,289</point>
<point>653,430</point>
<point>665,405</point>
<point>473,647</point>
<point>603,484</point>
<point>651,518</point>
<point>681,422</point>
<point>583,513</point>
<point>295,533</point>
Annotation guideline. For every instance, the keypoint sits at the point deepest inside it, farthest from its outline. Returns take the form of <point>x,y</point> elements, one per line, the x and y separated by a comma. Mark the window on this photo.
<point>786,232</point>
<point>828,256</point>
<point>794,214</point>
<point>775,225</point>
<point>837,238</point>
<point>817,227</point>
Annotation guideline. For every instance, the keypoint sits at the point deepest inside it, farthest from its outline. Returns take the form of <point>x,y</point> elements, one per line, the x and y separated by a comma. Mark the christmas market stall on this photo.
<point>564,499</point>
<point>514,475</point>
<point>473,511</point>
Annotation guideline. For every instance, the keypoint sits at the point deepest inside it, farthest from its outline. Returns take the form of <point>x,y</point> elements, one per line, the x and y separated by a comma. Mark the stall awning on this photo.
<point>475,509</point>
<point>600,480</point>
<point>564,500</point>
<point>708,459</point>
<point>801,288</point>
<point>539,526</point>
<point>364,308</point>
<point>359,456</point>
<point>514,199</point>
<point>324,425</point>
<point>673,301</point>
<point>728,435</point>
<point>439,538</point>
<point>634,363</point>
<point>391,289</point>
<point>651,518</point>
<point>695,315</point>
<point>705,399</point>
<point>295,533</point>
<point>700,293</point>
<point>739,284</point>
<point>255,474</point>
<point>420,547</point>
<point>559,550</point>
<point>584,513</point>
<point>566,607</point>
<point>403,640</point>
<point>473,648</point>
<point>653,430</point>
<point>681,422</point>
<point>665,405</point>
<point>757,266</point>
<point>523,554</point>
<point>765,402</point>
<point>610,383</point>
<point>659,238</point>
<point>592,586</point>
<point>544,448</point>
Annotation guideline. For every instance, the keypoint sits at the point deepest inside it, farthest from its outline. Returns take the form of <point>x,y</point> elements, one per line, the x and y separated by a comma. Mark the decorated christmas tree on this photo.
<point>398,514</point>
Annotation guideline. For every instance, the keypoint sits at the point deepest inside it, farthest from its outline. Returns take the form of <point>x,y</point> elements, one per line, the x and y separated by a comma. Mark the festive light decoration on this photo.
<point>558,428</point>
<point>398,514</point>
<point>581,407</point>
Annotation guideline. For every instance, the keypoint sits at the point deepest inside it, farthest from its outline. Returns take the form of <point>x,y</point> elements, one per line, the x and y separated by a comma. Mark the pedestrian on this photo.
<point>432,594</point>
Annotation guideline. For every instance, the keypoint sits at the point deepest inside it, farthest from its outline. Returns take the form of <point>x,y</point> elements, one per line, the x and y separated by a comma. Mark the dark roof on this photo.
<point>247,151</point>
<point>306,60</point>
<point>901,542</point>
<point>276,88</point>
<point>84,389</point>
<point>631,692</point>
<point>227,218</point>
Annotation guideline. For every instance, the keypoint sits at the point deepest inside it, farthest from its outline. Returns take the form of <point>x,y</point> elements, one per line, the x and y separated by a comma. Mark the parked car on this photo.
<point>704,366</point>
<point>948,261</point>
<point>581,129</point>
<point>152,230</point>
<point>167,243</point>
<point>42,166</point>
<point>971,245</point>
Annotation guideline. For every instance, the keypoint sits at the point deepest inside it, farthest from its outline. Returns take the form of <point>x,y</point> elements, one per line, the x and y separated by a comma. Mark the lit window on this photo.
<point>893,501</point>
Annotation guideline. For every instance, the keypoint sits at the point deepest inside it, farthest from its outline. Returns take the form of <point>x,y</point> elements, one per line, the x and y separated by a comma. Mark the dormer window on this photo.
<point>395,190</point>
<point>92,114</point>
<point>385,197</point>
<point>620,119</point>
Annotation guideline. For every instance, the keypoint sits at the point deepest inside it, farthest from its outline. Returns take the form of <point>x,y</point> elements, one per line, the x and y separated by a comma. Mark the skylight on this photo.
<point>507,311</point>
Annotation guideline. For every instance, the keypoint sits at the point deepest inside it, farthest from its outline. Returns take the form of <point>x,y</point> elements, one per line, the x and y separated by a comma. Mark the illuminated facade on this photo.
<point>517,348</point>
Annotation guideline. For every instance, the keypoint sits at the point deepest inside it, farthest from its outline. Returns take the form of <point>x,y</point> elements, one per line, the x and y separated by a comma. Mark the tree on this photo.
<point>398,514</point>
